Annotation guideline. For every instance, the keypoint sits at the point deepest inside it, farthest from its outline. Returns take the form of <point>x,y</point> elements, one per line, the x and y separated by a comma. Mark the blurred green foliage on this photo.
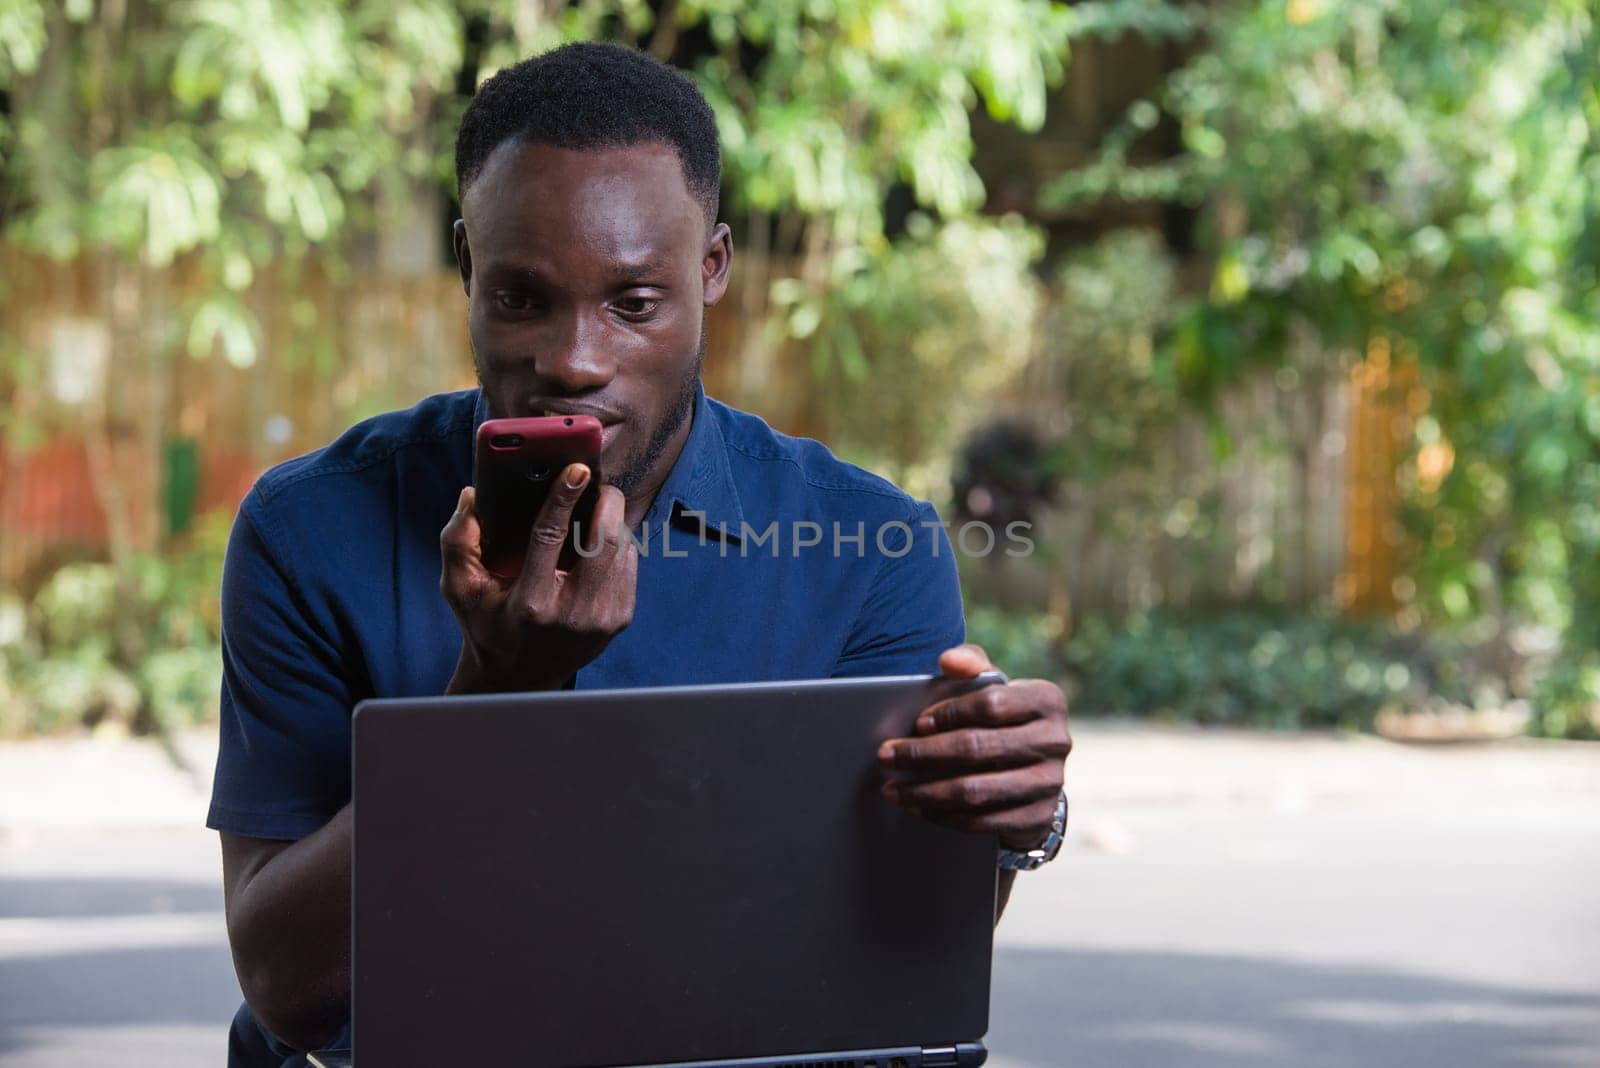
<point>1024,644</point>
<point>1246,667</point>
<point>1418,182</point>
<point>1258,669</point>
<point>848,98</point>
<point>1112,311</point>
<point>92,649</point>
<point>923,313</point>
<point>242,132</point>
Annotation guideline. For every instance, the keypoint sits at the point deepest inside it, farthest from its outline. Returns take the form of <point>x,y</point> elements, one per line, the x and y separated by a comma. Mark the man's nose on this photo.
<point>577,359</point>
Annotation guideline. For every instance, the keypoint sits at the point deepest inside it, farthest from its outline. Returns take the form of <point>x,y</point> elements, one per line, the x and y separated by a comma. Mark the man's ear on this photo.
<point>718,262</point>
<point>458,238</point>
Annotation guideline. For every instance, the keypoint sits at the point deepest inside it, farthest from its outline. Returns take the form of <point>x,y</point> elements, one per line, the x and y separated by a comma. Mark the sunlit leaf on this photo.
<point>226,323</point>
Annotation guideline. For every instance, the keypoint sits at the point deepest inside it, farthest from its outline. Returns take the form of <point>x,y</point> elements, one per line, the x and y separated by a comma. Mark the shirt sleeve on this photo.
<point>912,611</point>
<point>283,763</point>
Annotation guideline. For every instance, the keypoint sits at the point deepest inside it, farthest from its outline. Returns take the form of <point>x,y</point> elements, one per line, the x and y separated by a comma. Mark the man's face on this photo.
<point>588,273</point>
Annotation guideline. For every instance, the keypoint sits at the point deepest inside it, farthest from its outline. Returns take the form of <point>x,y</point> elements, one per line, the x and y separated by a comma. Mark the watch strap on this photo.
<point>1045,852</point>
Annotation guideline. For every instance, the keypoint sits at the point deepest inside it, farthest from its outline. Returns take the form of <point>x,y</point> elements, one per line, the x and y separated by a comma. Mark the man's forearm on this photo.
<point>289,925</point>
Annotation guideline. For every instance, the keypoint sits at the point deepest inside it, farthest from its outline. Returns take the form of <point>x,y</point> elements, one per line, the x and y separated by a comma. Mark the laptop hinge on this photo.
<point>938,1057</point>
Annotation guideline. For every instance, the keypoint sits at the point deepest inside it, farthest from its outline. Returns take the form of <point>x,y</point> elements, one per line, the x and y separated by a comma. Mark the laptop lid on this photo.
<point>600,878</point>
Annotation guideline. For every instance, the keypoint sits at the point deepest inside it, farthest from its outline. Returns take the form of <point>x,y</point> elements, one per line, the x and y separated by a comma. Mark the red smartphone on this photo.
<point>516,463</point>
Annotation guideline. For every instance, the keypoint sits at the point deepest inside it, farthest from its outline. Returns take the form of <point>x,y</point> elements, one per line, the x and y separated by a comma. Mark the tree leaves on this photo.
<point>161,198</point>
<point>218,115</point>
<point>22,37</point>
<point>1426,174</point>
<point>226,322</point>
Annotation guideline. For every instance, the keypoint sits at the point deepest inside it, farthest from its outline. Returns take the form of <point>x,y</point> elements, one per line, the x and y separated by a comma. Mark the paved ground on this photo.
<point>1225,900</point>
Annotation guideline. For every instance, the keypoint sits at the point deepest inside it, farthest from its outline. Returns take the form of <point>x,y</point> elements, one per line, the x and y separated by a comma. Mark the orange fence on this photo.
<point>1386,399</point>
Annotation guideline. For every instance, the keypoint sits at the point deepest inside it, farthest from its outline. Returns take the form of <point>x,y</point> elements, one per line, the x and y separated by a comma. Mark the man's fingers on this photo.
<point>973,794</point>
<point>993,706</point>
<point>964,662</point>
<point>463,581</point>
<point>604,575</point>
<point>1017,825</point>
<point>976,749</point>
<point>550,526</point>
<point>461,573</point>
<point>600,537</point>
<point>460,535</point>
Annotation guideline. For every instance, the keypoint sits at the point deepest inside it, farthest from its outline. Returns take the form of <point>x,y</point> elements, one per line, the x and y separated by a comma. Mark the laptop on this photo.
<point>696,876</point>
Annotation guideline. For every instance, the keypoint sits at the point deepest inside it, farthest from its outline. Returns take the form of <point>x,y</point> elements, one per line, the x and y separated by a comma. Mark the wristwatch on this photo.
<point>1012,860</point>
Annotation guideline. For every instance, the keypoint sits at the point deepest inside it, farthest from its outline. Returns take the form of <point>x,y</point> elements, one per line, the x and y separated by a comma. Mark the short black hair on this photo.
<point>594,95</point>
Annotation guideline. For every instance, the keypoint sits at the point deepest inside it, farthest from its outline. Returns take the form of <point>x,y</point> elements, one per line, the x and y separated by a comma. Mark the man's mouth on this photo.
<point>606,418</point>
<point>608,434</point>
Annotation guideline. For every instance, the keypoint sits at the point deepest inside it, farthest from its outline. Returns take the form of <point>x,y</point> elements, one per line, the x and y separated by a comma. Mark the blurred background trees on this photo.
<point>1280,320</point>
<point>1409,193</point>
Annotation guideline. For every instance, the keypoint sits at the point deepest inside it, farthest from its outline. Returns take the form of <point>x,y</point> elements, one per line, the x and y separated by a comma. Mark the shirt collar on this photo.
<point>699,489</point>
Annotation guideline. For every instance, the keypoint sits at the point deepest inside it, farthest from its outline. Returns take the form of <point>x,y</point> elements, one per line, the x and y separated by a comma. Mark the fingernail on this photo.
<point>925,723</point>
<point>891,791</point>
<point>577,481</point>
<point>886,753</point>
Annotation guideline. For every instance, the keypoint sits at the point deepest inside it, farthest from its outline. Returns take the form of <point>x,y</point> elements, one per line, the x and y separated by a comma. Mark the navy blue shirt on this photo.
<point>763,557</point>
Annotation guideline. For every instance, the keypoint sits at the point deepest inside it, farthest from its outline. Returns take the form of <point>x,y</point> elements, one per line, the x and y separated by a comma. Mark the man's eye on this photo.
<point>517,302</point>
<point>635,307</point>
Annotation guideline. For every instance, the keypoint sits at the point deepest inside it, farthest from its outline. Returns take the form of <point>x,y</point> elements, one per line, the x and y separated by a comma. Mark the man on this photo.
<point>589,250</point>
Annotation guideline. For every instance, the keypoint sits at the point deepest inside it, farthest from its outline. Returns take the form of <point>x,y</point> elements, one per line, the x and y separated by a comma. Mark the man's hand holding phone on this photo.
<point>535,631</point>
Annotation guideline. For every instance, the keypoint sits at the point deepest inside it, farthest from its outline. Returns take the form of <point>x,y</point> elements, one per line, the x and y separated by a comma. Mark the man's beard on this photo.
<point>636,468</point>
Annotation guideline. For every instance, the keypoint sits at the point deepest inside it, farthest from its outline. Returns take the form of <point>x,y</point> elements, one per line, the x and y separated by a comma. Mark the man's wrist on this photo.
<point>470,677</point>
<point>1045,851</point>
